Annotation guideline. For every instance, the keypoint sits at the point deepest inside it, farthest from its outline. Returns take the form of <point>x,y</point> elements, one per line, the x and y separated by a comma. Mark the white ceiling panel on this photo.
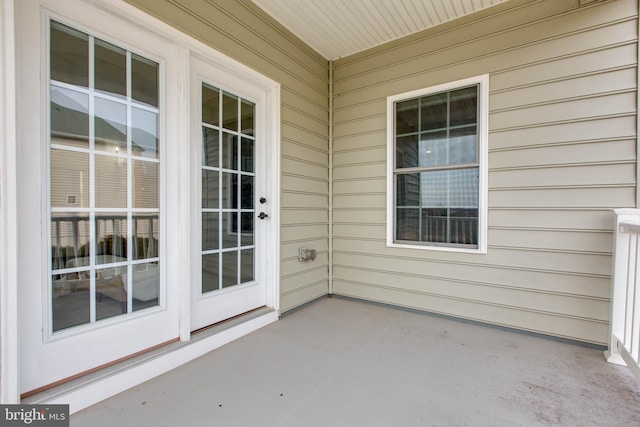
<point>337,28</point>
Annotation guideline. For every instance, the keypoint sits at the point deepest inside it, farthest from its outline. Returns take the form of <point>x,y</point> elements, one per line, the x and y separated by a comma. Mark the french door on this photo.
<point>95,282</point>
<point>148,188</point>
<point>230,176</point>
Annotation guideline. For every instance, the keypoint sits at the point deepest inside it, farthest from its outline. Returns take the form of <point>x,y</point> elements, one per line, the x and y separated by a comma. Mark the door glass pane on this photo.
<point>211,147</point>
<point>110,69</point>
<point>229,151</point>
<point>210,105</point>
<point>69,179</point>
<point>145,285</point>
<point>144,80</point>
<point>229,269</point>
<point>228,214</point>
<point>110,181</point>
<point>70,305</point>
<point>144,133</point>
<point>111,292</point>
<point>246,265</point>
<point>69,55</point>
<point>210,271</point>
<point>145,239</point>
<point>110,121</point>
<point>69,117</point>
<point>229,112</point>
<point>247,110</point>
<point>145,184</point>
<point>70,233</point>
<point>104,202</point>
<point>111,238</point>
<point>210,231</point>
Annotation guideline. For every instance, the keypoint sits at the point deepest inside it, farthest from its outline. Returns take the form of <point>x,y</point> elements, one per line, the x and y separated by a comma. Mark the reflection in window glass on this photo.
<point>105,183</point>
<point>110,74</point>
<point>437,200</point>
<point>69,117</point>
<point>144,133</point>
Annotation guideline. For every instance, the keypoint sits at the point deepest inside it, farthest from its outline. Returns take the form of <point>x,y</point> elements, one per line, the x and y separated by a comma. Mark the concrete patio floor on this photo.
<point>339,362</point>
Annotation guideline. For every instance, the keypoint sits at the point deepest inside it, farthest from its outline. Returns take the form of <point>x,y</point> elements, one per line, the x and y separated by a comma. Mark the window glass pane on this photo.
<point>144,133</point>
<point>407,224</point>
<point>144,80</point>
<point>247,109</point>
<point>407,155</point>
<point>69,179</point>
<point>110,123</point>
<point>434,149</point>
<point>145,237</point>
<point>69,239</point>
<point>407,116</point>
<point>246,192</point>
<point>246,265</point>
<point>229,151</point>
<point>110,69</point>
<point>210,230</point>
<point>145,184</point>
<point>433,111</point>
<point>111,292</point>
<point>70,305</point>
<point>246,158</point>
<point>111,238</point>
<point>211,147</point>
<point>110,181</point>
<point>435,225</point>
<point>450,188</point>
<point>229,112</point>
<point>69,117</point>
<point>69,55</point>
<point>246,226</point>
<point>229,190</point>
<point>408,190</point>
<point>210,272</point>
<point>463,145</point>
<point>210,105</point>
<point>463,106</point>
<point>210,189</point>
<point>145,285</point>
<point>230,230</point>
<point>463,226</point>
<point>230,268</point>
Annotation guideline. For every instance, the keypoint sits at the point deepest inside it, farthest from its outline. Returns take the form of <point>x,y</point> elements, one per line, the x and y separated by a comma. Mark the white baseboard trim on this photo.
<point>94,390</point>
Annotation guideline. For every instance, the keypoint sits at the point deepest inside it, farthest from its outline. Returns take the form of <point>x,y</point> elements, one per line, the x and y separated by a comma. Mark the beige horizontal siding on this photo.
<point>244,32</point>
<point>562,154</point>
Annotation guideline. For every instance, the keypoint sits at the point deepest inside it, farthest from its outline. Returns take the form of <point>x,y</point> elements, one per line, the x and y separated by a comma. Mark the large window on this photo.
<point>437,166</point>
<point>104,166</point>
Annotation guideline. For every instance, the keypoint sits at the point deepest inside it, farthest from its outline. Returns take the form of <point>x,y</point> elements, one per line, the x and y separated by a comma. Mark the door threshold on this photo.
<point>92,388</point>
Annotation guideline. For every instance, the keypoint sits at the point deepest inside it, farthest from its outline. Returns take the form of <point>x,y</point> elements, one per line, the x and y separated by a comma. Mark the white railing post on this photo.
<point>619,278</point>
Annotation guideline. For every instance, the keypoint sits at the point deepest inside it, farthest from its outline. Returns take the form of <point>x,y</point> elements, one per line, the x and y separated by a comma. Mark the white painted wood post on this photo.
<point>619,277</point>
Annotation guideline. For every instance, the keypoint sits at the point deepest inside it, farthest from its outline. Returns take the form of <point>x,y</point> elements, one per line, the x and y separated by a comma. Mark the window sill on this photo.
<point>480,250</point>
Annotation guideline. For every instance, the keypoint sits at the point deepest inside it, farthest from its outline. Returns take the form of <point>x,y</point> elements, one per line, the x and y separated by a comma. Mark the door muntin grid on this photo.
<point>228,189</point>
<point>104,179</point>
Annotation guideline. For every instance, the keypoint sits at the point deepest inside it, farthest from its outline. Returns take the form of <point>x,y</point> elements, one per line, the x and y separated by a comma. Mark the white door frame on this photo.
<point>95,391</point>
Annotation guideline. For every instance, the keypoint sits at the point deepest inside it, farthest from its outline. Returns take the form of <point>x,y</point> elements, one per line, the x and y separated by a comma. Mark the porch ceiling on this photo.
<point>337,28</point>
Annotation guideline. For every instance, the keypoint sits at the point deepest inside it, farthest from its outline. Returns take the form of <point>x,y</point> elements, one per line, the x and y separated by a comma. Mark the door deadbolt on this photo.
<point>263,200</point>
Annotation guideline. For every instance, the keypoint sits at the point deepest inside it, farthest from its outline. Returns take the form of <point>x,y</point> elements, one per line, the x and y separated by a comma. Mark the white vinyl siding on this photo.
<point>561,155</point>
<point>244,32</point>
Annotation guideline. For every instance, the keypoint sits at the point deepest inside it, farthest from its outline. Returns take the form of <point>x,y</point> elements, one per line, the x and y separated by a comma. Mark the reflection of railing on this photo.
<point>624,337</point>
<point>459,230</point>
<point>71,237</point>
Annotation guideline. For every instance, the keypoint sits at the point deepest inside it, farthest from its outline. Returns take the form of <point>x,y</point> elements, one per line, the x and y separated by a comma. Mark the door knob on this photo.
<point>262,215</point>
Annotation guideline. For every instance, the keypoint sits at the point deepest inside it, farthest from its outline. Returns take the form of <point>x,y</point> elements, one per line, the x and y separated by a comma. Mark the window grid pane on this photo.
<point>228,180</point>
<point>104,181</point>
<point>436,141</point>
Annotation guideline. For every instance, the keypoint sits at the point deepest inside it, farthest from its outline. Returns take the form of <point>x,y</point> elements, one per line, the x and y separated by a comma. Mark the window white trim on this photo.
<point>483,137</point>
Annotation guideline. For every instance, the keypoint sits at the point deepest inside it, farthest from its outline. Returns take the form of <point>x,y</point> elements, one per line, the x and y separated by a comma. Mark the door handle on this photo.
<point>262,215</point>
